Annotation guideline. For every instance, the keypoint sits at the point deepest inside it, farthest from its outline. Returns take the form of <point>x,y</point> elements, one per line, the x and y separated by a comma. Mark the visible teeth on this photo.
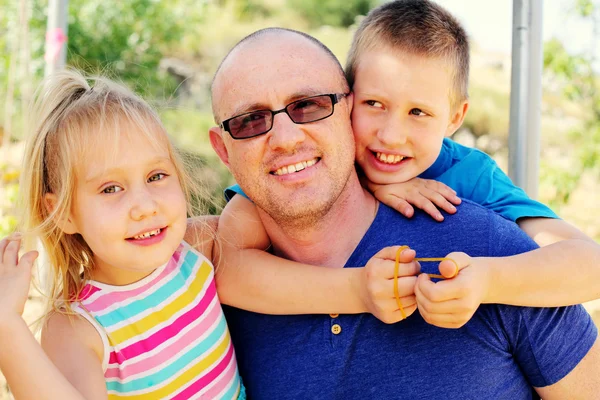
<point>147,234</point>
<point>389,158</point>
<point>295,167</point>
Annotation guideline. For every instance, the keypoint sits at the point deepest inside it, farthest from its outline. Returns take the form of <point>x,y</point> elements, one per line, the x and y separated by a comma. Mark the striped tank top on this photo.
<point>165,337</point>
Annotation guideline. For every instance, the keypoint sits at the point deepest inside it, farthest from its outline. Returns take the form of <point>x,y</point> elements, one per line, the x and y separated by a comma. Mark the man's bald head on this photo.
<point>260,41</point>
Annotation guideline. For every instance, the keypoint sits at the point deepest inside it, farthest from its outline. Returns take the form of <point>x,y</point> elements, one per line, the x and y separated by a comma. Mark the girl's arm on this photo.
<point>70,367</point>
<point>249,277</point>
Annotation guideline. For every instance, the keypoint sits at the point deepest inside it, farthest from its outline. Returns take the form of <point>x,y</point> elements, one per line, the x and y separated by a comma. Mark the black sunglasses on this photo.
<point>303,111</point>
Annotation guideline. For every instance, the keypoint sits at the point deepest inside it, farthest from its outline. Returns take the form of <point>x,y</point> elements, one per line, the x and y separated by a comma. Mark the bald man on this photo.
<point>280,100</point>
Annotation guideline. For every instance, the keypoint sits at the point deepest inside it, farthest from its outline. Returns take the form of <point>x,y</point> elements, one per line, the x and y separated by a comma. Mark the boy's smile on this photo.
<point>402,112</point>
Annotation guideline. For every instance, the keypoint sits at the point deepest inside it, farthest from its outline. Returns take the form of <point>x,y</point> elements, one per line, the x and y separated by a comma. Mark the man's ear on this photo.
<point>65,224</point>
<point>458,118</point>
<point>216,140</point>
<point>350,99</point>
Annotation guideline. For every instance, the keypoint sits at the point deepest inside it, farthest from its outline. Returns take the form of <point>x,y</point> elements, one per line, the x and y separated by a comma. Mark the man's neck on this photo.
<point>330,241</point>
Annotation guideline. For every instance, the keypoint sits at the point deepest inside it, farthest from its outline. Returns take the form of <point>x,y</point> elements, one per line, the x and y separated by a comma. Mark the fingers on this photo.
<point>446,191</point>
<point>11,253</point>
<point>448,269</point>
<point>439,200</point>
<point>449,321</point>
<point>3,244</point>
<point>389,253</point>
<point>402,206</point>
<point>440,291</point>
<point>389,313</point>
<point>28,259</point>
<point>457,261</point>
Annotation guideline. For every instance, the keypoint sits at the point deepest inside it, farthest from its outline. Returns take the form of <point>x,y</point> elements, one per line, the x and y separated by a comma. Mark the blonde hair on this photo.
<point>69,118</point>
<point>419,27</point>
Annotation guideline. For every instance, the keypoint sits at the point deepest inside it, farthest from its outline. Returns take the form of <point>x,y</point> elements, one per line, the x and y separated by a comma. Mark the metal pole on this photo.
<point>56,36</point>
<point>518,93</point>
<point>534,108</point>
<point>526,95</point>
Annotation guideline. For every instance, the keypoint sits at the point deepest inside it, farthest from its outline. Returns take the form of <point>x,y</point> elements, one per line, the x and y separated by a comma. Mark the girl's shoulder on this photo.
<point>69,336</point>
<point>200,234</point>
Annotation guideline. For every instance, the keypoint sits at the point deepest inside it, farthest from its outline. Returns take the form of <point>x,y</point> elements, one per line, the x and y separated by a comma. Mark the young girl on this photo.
<point>133,310</point>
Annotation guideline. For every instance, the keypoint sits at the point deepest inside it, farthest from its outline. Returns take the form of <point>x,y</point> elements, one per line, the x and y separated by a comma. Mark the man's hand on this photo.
<point>422,193</point>
<point>451,303</point>
<point>377,285</point>
<point>15,277</point>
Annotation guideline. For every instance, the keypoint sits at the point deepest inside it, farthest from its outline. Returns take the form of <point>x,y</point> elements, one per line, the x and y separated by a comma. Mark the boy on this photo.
<point>408,67</point>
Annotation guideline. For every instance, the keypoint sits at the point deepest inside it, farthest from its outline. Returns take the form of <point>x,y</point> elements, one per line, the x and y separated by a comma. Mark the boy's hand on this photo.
<point>377,289</point>
<point>422,193</point>
<point>451,303</point>
<point>15,277</point>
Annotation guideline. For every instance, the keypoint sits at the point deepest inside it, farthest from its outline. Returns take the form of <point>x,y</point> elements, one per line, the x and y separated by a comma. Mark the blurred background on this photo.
<point>167,51</point>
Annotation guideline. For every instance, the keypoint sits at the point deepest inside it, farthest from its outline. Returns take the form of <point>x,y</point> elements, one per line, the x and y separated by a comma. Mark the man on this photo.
<point>321,215</point>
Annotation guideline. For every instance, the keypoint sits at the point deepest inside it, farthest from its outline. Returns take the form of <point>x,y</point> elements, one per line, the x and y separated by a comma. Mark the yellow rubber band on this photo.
<point>397,271</point>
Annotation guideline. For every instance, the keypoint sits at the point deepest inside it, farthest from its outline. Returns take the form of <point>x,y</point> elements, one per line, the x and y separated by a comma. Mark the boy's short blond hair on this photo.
<point>419,27</point>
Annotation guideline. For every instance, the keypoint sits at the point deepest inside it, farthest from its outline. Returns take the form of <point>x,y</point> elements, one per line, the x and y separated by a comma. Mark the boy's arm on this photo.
<point>564,271</point>
<point>249,277</point>
<point>559,274</point>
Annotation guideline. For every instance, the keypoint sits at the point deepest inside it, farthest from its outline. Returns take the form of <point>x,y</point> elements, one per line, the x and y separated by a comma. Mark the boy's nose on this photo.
<point>392,134</point>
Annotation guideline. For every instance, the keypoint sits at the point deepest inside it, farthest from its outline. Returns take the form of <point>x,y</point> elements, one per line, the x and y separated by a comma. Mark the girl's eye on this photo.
<point>157,177</point>
<point>417,112</point>
<point>111,189</point>
<point>374,103</point>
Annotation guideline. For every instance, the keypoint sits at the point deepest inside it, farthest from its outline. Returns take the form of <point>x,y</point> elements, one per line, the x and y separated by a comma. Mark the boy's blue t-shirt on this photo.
<point>501,353</point>
<point>475,176</point>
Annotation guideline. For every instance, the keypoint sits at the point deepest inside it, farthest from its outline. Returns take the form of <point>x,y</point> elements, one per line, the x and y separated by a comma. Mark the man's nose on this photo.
<point>143,205</point>
<point>285,134</point>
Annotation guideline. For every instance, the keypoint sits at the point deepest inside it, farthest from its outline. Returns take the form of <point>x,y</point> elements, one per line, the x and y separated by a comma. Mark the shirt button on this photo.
<point>334,315</point>
<point>336,329</point>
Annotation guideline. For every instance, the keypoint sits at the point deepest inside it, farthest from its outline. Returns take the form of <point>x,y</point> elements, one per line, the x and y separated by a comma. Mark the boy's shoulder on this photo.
<point>457,159</point>
<point>461,154</point>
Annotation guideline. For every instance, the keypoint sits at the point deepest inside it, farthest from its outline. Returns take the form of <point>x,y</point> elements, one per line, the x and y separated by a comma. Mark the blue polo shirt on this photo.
<point>501,353</point>
<point>475,176</point>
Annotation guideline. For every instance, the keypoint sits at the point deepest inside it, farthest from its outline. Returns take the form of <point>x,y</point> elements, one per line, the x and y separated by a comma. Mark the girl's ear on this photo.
<point>66,224</point>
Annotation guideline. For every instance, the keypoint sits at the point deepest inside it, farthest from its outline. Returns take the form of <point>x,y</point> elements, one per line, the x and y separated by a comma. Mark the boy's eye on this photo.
<point>374,103</point>
<point>111,189</point>
<point>417,111</point>
<point>157,177</point>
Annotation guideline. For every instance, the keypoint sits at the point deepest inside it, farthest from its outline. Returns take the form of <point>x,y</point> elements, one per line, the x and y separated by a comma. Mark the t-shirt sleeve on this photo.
<point>232,191</point>
<point>495,191</point>
<point>547,342</point>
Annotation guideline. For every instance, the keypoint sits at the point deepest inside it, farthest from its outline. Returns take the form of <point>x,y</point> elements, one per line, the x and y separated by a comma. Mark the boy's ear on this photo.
<point>65,224</point>
<point>216,140</point>
<point>457,118</point>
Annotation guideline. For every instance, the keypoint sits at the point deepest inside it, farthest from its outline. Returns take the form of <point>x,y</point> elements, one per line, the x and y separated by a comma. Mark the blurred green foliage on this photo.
<point>332,12</point>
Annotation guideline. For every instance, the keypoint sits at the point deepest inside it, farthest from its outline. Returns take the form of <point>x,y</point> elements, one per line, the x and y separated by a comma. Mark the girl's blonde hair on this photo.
<point>74,116</point>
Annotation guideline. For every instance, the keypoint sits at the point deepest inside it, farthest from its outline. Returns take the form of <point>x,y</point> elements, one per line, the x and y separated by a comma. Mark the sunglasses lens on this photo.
<point>251,124</point>
<point>310,109</point>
